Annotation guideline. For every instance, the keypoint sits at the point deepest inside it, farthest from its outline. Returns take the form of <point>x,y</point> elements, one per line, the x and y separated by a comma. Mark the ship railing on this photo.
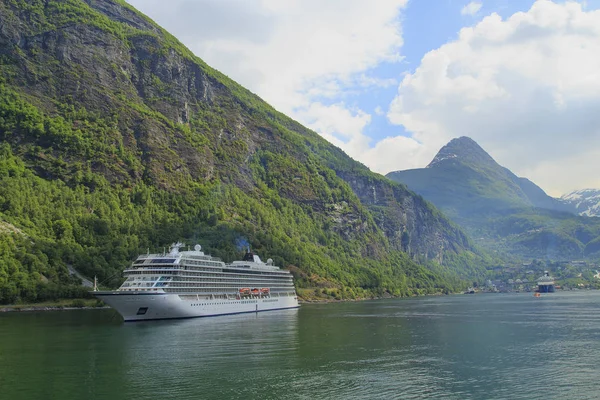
<point>161,255</point>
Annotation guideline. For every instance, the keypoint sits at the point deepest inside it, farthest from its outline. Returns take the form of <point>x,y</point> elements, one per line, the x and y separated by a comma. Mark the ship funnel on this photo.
<point>175,248</point>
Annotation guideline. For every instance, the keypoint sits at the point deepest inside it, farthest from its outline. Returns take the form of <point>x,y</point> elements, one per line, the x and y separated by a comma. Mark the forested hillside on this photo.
<point>115,139</point>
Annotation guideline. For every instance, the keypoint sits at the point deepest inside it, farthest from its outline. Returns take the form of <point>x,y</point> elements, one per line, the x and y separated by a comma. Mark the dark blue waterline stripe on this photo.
<point>214,315</point>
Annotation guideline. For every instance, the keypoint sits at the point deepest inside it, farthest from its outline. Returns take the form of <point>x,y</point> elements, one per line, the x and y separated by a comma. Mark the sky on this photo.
<point>391,81</point>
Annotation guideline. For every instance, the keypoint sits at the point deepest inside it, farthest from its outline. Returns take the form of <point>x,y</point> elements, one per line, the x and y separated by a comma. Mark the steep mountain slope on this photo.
<point>116,138</point>
<point>504,212</point>
<point>583,202</point>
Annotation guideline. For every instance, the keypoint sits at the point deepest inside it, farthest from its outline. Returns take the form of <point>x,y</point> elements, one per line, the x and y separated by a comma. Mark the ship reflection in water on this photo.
<point>546,283</point>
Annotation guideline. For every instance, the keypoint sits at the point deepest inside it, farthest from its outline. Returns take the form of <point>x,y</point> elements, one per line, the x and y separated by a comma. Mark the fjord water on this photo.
<point>496,346</point>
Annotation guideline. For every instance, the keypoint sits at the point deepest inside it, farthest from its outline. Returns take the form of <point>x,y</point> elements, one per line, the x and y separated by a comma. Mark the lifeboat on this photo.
<point>245,291</point>
<point>254,292</point>
<point>264,290</point>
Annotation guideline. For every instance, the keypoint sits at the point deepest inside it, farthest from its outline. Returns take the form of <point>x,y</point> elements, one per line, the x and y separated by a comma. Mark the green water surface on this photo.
<point>496,346</point>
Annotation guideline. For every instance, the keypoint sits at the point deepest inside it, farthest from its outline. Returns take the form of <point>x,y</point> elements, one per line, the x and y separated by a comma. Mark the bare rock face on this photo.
<point>410,223</point>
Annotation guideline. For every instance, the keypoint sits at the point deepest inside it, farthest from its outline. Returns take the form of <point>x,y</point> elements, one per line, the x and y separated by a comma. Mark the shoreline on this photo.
<point>67,304</point>
<point>7,309</point>
<point>57,305</point>
<point>333,300</point>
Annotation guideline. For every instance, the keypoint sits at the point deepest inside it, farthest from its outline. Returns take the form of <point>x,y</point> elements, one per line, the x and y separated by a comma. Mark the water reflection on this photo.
<point>458,347</point>
<point>213,356</point>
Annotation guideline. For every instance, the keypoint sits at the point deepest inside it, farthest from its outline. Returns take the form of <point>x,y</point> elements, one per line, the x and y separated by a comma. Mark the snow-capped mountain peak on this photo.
<point>584,201</point>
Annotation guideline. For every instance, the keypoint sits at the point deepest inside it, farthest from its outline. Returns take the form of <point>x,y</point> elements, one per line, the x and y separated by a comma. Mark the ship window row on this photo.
<point>145,272</point>
<point>184,278</point>
<point>163,261</point>
<point>227,272</point>
<point>144,278</point>
<point>137,284</point>
<point>203,269</point>
<point>225,275</point>
<point>241,282</point>
<point>220,289</point>
<point>286,292</point>
<point>178,271</point>
<point>212,278</point>
<point>206,263</point>
<point>228,302</point>
<point>230,285</point>
<point>198,270</point>
<point>203,285</point>
<point>228,279</point>
<point>216,264</point>
<point>254,272</point>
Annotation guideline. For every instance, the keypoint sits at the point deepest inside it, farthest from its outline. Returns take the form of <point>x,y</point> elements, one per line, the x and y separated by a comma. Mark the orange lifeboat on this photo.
<point>245,291</point>
<point>264,291</point>
<point>254,292</point>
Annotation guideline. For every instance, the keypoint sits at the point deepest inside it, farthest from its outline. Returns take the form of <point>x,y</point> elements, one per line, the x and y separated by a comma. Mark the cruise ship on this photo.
<point>189,283</point>
<point>546,283</point>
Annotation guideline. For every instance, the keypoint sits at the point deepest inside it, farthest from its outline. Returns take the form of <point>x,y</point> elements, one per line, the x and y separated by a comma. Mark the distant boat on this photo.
<point>470,291</point>
<point>546,283</point>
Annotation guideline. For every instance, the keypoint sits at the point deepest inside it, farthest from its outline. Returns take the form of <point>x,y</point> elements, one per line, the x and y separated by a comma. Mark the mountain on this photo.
<point>505,213</point>
<point>115,138</point>
<point>583,202</point>
<point>466,181</point>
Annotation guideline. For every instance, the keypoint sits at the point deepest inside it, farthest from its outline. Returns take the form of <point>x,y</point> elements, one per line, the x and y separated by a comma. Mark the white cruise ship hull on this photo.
<point>150,306</point>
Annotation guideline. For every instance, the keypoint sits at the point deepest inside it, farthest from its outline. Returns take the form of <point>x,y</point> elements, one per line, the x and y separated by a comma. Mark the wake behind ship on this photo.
<point>187,284</point>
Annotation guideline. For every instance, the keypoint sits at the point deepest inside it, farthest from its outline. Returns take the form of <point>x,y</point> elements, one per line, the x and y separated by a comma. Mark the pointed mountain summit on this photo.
<point>464,150</point>
<point>464,180</point>
<point>499,208</point>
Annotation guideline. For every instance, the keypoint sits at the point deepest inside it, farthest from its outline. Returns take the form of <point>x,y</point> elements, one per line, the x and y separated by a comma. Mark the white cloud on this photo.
<point>471,9</point>
<point>396,153</point>
<point>295,54</point>
<point>335,120</point>
<point>526,88</point>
